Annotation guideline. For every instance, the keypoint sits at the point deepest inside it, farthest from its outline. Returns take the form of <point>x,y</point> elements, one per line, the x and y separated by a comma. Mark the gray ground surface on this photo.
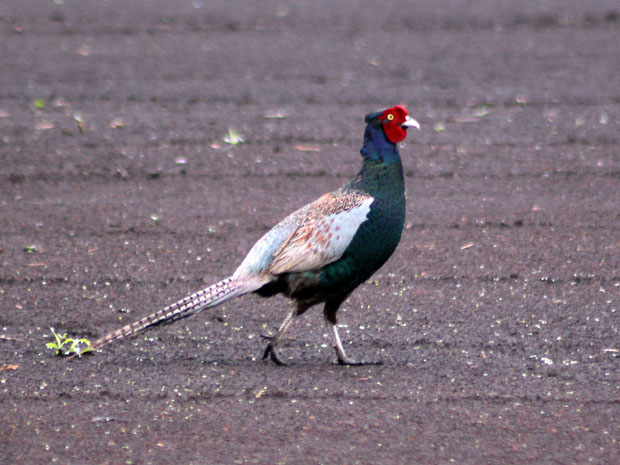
<point>496,320</point>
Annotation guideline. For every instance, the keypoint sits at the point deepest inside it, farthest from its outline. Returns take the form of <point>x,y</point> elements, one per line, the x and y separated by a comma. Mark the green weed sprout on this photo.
<point>64,345</point>
<point>233,137</point>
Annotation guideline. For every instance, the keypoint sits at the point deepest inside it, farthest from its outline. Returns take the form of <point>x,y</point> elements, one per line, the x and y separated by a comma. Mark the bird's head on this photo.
<point>385,129</point>
<point>395,122</point>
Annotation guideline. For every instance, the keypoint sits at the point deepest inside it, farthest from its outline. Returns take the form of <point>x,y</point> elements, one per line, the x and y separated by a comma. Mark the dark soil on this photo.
<point>496,320</point>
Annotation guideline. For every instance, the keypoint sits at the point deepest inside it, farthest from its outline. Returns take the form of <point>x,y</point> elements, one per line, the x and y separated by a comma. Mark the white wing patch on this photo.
<point>323,235</point>
<point>260,257</point>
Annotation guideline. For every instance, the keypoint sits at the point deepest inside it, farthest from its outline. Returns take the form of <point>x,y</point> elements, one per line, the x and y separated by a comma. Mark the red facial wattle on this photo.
<point>393,119</point>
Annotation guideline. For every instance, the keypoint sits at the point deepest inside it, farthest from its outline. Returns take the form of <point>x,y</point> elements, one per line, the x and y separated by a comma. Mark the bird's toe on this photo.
<point>347,361</point>
<point>270,352</point>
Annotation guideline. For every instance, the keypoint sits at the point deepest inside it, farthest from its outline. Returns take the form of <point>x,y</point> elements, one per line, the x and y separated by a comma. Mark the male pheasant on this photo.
<point>321,252</point>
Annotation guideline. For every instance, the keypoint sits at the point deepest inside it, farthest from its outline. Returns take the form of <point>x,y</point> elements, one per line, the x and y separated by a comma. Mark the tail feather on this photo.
<point>188,306</point>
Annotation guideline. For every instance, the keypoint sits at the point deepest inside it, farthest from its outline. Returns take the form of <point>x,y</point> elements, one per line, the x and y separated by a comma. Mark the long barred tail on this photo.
<point>190,305</point>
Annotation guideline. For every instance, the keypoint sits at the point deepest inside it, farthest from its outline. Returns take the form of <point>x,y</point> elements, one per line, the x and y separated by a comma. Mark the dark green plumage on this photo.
<point>381,178</point>
<point>377,237</point>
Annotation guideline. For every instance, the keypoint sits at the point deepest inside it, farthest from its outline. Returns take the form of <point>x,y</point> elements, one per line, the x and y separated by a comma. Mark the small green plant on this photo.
<point>64,345</point>
<point>31,248</point>
<point>233,137</point>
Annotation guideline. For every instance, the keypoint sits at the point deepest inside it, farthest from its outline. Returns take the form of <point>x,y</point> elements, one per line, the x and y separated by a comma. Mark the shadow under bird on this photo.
<point>321,252</point>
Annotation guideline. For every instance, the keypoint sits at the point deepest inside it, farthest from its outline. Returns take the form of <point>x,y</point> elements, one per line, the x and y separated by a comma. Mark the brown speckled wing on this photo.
<point>324,232</point>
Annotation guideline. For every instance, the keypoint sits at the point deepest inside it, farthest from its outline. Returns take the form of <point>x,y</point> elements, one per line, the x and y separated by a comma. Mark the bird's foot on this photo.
<point>347,361</point>
<point>270,351</point>
<point>344,360</point>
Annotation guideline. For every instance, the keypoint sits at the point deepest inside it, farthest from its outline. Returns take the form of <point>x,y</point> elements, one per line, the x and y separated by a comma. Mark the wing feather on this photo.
<point>323,233</point>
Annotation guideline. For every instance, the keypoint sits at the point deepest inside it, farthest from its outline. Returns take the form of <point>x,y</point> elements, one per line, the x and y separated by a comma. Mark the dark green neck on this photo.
<point>381,179</point>
<point>382,172</point>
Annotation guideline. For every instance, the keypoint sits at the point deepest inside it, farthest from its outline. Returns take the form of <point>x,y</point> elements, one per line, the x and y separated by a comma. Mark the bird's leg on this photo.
<point>270,350</point>
<point>329,312</point>
<point>340,353</point>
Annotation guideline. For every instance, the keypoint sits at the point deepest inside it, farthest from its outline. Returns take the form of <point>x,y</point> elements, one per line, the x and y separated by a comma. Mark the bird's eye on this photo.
<point>390,117</point>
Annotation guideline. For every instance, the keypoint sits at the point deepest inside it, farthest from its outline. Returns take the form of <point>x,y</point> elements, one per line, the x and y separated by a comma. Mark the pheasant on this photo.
<point>321,252</point>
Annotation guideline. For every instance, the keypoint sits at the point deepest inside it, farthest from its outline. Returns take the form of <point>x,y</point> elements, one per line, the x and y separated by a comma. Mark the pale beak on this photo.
<point>410,122</point>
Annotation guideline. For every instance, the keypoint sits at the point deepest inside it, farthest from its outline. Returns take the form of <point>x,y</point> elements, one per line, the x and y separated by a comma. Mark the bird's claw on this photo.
<point>344,360</point>
<point>270,352</point>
